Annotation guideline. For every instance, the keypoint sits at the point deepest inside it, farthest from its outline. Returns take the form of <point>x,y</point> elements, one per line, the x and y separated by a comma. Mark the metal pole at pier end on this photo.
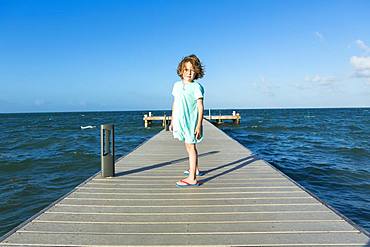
<point>107,150</point>
<point>165,122</point>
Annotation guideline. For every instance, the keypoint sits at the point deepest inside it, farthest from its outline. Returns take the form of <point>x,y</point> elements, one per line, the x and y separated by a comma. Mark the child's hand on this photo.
<point>198,132</point>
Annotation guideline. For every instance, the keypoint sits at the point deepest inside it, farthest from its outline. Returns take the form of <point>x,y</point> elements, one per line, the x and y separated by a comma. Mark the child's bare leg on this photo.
<point>193,162</point>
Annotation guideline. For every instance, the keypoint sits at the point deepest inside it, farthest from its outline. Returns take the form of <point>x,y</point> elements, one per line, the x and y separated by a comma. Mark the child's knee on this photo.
<point>190,146</point>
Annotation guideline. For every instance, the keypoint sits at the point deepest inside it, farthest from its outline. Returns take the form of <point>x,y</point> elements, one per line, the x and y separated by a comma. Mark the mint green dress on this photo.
<point>185,115</point>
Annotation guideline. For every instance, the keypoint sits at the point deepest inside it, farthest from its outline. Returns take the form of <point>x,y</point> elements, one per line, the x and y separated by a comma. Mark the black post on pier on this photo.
<point>107,150</point>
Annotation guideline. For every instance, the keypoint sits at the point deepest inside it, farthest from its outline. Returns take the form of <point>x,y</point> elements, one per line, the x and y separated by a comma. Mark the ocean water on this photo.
<point>326,151</point>
<point>44,156</point>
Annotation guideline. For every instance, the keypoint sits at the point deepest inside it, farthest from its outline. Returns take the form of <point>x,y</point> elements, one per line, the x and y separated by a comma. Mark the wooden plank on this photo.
<point>192,228</point>
<point>216,202</point>
<point>242,209</point>
<point>186,218</point>
<point>210,239</point>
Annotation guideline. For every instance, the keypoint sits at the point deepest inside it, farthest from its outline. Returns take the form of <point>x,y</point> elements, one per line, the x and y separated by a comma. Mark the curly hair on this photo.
<point>197,65</point>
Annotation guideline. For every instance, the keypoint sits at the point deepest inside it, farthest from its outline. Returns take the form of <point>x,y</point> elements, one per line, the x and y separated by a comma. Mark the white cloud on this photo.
<point>362,73</point>
<point>319,36</point>
<point>361,66</point>
<point>361,44</point>
<point>360,63</point>
<point>301,86</point>
<point>321,80</point>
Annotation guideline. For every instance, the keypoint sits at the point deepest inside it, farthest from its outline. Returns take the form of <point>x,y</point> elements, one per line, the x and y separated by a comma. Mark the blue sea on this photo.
<point>45,155</point>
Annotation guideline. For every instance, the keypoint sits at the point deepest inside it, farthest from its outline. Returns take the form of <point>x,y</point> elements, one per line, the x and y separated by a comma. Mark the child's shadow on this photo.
<point>246,161</point>
<point>155,166</point>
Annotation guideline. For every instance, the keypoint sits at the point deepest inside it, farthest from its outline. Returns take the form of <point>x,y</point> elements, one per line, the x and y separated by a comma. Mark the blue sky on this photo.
<point>91,55</point>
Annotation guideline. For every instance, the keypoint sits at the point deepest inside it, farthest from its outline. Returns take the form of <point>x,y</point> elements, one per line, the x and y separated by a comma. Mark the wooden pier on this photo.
<point>243,201</point>
<point>148,118</point>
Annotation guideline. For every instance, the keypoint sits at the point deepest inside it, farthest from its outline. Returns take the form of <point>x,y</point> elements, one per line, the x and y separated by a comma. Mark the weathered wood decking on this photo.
<point>242,201</point>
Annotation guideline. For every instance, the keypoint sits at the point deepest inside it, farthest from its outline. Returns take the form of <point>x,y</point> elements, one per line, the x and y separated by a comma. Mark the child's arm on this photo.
<point>198,129</point>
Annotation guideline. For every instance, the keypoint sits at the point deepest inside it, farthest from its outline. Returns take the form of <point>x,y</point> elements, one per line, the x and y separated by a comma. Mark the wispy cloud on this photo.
<point>321,80</point>
<point>265,86</point>
<point>361,65</point>
<point>318,82</point>
<point>362,45</point>
<point>319,36</point>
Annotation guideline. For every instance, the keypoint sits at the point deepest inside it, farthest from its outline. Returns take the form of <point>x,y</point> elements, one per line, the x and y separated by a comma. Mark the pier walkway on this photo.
<point>242,201</point>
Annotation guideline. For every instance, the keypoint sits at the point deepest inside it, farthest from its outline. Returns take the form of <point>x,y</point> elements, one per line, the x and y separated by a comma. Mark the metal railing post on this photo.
<point>107,150</point>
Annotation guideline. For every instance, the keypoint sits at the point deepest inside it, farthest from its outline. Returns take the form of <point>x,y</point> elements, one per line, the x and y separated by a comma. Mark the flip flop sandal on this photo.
<point>186,184</point>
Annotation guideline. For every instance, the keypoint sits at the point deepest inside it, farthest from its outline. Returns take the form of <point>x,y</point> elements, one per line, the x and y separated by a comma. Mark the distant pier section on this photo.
<point>235,117</point>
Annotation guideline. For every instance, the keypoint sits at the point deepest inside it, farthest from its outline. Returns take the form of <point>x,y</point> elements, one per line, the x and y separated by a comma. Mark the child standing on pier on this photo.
<point>187,114</point>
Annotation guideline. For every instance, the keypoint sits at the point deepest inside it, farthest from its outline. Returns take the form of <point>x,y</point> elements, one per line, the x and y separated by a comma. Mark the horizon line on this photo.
<point>205,109</point>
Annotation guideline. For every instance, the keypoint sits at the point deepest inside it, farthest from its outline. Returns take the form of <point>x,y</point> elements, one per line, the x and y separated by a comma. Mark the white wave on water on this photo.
<point>88,127</point>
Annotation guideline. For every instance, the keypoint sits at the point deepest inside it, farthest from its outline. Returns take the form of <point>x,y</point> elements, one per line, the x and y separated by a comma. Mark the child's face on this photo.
<point>188,73</point>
